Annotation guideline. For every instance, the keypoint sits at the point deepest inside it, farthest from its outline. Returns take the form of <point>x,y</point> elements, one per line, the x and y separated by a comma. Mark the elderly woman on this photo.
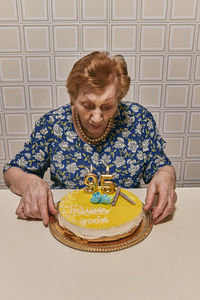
<point>97,129</point>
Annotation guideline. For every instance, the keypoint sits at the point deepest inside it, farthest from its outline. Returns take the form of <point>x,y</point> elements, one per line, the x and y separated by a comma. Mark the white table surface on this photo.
<point>165,266</point>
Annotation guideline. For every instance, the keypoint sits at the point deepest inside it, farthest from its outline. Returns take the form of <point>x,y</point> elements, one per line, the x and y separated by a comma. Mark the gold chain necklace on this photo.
<point>93,140</point>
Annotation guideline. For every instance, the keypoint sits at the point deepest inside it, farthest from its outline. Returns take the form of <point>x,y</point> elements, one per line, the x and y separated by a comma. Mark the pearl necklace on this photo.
<point>92,140</point>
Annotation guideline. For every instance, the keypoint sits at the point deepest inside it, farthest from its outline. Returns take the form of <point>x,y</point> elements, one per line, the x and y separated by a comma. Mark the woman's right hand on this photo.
<point>36,201</point>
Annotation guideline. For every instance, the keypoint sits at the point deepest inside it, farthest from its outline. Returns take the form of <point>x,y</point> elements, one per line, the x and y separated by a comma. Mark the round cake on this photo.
<point>99,222</point>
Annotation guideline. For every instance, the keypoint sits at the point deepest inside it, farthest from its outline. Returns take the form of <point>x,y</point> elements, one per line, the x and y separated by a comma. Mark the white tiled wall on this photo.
<point>40,40</point>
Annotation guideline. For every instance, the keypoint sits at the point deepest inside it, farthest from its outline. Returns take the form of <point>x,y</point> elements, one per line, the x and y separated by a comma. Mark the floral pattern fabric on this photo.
<point>133,149</point>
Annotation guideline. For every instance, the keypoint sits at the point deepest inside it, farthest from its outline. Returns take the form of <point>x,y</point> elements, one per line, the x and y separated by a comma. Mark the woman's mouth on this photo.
<point>95,126</point>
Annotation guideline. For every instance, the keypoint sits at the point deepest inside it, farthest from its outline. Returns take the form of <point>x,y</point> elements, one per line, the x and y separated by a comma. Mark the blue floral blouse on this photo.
<point>133,149</point>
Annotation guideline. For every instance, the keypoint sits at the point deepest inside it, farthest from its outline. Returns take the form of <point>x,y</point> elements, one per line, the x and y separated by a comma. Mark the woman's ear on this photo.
<point>71,100</point>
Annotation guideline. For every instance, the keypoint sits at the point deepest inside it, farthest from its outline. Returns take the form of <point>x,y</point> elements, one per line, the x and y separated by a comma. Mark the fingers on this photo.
<point>43,207</point>
<point>165,207</point>
<point>163,185</point>
<point>151,193</point>
<point>46,206</point>
<point>24,211</point>
<point>51,204</point>
<point>20,211</point>
<point>37,203</point>
<point>162,201</point>
<point>34,211</point>
<point>165,213</point>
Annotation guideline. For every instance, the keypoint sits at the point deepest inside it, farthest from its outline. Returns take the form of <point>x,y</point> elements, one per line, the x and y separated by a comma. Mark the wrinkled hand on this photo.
<point>163,185</point>
<point>36,202</point>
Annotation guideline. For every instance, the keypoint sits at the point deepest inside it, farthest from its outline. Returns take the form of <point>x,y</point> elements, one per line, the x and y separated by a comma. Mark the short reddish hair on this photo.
<point>96,71</point>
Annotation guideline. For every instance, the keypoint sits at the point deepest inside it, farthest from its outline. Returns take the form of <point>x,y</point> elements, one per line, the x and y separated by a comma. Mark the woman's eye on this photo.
<point>107,107</point>
<point>87,106</point>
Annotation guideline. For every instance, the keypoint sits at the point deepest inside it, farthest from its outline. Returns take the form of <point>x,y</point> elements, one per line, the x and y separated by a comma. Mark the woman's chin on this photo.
<point>95,134</point>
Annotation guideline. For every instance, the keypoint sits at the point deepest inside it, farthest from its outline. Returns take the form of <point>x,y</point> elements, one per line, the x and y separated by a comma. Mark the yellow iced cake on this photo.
<point>99,222</point>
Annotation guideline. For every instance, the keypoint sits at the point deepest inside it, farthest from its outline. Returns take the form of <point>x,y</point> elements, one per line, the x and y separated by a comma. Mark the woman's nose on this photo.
<point>97,116</point>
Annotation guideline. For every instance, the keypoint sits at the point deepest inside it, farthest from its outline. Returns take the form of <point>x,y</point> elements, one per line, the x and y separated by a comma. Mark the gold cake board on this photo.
<point>69,239</point>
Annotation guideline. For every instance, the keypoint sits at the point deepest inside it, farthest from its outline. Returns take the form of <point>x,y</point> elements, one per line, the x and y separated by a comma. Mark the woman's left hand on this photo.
<point>162,184</point>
